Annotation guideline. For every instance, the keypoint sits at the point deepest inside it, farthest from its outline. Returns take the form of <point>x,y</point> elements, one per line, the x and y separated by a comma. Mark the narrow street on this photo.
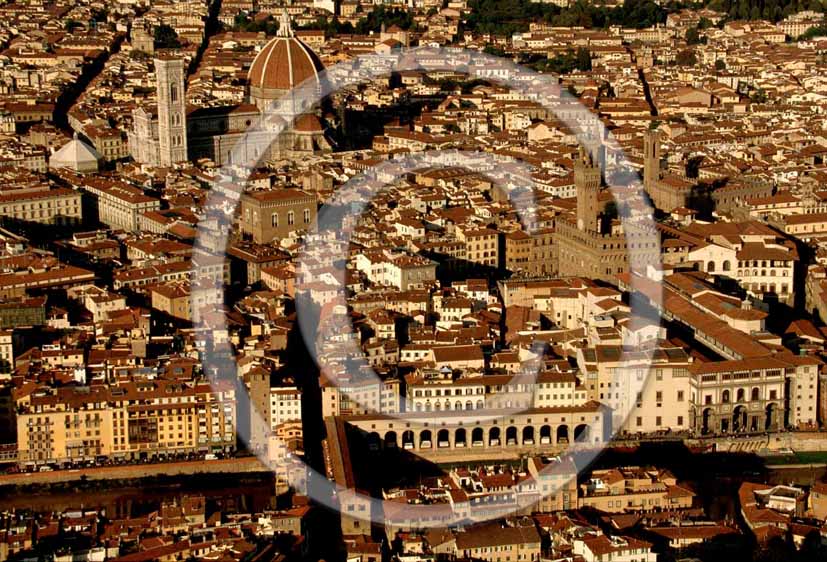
<point>647,93</point>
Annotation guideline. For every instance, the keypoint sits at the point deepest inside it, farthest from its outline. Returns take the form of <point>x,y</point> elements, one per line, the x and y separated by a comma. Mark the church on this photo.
<point>174,132</point>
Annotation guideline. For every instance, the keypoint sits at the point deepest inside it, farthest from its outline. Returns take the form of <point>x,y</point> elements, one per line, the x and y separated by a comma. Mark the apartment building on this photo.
<point>117,204</point>
<point>618,490</point>
<point>482,246</point>
<point>603,548</point>
<point>647,389</point>
<point>547,389</point>
<point>348,396</point>
<point>185,301</point>
<point>285,405</point>
<point>500,543</point>
<point>392,269</point>
<point>136,419</point>
<point>61,206</point>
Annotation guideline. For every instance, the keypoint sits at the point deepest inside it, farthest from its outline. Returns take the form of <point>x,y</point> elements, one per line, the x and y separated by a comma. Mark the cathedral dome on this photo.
<point>284,63</point>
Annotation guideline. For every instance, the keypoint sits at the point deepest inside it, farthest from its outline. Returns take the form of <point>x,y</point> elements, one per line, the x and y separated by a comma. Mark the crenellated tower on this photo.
<point>587,180</point>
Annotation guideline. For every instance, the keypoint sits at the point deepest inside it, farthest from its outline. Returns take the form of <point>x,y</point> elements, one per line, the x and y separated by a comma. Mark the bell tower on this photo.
<point>651,159</point>
<point>172,110</point>
<point>587,180</point>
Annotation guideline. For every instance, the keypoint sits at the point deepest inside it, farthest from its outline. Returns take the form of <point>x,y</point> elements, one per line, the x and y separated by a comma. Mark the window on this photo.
<point>306,216</point>
<point>680,396</point>
<point>274,220</point>
<point>291,217</point>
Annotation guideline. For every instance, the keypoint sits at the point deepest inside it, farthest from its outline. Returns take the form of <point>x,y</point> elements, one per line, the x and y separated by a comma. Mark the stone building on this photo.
<point>117,204</point>
<point>276,214</point>
<point>672,191</point>
<point>173,132</point>
<point>667,191</point>
<point>172,125</point>
<point>592,244</point>
<point>132,420</point>
<point>59,205</point>
<point>754,395</point>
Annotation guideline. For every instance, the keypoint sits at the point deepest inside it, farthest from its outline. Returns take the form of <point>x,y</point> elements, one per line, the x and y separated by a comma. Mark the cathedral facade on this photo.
<point>173,133</point>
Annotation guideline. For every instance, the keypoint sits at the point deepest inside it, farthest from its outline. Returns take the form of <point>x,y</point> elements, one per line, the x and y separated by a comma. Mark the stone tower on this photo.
<point>172,110</point>
<point>651,159</point>
<point>587,180</point>
<point>142,39</point>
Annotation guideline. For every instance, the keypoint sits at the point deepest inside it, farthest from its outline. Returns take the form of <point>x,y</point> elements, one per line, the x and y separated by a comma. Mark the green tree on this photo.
<point>494,50</point>
<point>759,96</point>
<point>381,15</point>
<point>818,31</point>
<point>692,36</point>
<point>166,38</point>
<point>583,59</point>
<point>720,65</point>
<point>686,58</point>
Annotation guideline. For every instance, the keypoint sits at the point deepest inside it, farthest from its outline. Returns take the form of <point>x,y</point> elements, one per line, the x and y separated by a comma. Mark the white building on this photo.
<point>285,405</point>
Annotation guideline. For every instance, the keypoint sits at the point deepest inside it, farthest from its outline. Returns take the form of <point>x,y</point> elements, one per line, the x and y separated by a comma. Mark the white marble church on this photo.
<point>173,132</point>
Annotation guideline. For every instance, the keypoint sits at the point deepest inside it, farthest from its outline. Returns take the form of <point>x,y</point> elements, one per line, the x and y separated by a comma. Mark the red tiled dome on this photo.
<point>284,63</point>
<point>308,123</point>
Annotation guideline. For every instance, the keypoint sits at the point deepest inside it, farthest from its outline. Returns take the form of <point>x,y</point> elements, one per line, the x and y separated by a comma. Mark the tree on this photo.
<point>720,65</point>
<point>71,25</point>
<point>494,50</point>
<point>100,15</point>
<point>686,58</point>
<point>818,31</point>
<point>166,38</point>
<point>692,36</point>
<point>584,59</point>
<point>759,96</point>
<point>381,15</point>
<point>693,166</point>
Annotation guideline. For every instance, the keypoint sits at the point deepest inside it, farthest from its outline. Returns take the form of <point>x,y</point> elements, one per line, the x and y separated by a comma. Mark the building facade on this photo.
<point>61,206</point>
<point>276,214</point>
<point>754,395</point>
<point>172,122</point>
<point>591,244</point>
<point>132,420</point>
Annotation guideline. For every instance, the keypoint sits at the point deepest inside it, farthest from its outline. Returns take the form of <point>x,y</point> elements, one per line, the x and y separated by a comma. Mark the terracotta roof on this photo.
<point>285,62</point>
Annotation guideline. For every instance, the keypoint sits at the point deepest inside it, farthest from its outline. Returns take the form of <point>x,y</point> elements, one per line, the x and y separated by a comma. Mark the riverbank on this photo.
<point>243,465</point>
